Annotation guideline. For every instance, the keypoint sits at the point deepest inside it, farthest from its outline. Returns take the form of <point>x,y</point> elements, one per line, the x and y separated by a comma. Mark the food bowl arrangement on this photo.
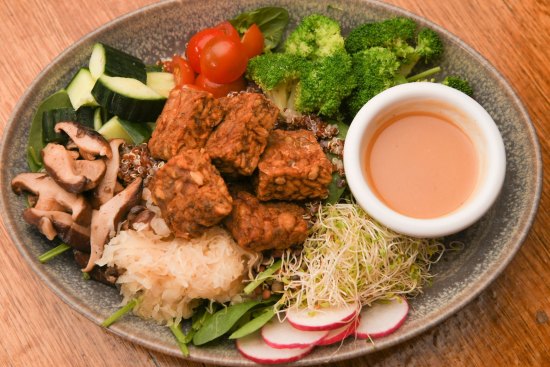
<point>488,245</point>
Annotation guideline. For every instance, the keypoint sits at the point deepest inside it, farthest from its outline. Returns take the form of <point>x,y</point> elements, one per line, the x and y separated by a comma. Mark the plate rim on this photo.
<point>120,330</point>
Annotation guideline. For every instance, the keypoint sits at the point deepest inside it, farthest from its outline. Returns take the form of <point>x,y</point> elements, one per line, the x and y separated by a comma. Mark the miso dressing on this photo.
<point>421,165</point>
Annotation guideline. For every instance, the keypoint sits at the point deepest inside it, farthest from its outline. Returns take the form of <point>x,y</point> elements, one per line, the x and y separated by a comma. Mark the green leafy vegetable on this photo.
<point>120,312</point>
<point>271,20</point>
<point>180,338</point>
<point>262,277</point>
<point>35,143</point>
<point>58,250</point>
<point>221,322</point>
<point>254,324</point>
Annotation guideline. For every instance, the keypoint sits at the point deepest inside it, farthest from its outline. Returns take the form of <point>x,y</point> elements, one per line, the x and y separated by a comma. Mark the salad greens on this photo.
<point>222,321</point>
<point>271,20</point>
<point>58,250</point>
<point>35,143</point>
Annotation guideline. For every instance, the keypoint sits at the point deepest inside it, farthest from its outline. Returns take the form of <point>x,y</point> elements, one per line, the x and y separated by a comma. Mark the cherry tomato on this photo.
<point>223,60</point>
<point>219,90</point>
<point>183,74</point>
<point>196,45</point>
<point>253,41</point>
<point>229,30</point>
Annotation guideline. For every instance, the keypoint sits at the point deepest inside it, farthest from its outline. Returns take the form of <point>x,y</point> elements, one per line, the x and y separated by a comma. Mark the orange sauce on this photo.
<point>421,164</point>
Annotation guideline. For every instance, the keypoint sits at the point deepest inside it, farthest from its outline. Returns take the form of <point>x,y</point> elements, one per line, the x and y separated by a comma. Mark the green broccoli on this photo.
<point>428,48</point>
<point>375,69</point>
<point>394,33</point>
<point>316,36</point>
<point>324,84</point>
<point>457,82</point>
<point>277,74</point>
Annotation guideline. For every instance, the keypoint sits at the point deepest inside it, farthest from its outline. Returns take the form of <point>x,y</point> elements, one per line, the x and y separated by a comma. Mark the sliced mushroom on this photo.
<point>52,197</point>
<point>106,219</point>
<point>74,176</point>
<point>90,143</point>
<point>106,188</point>
<point>62,225</point>
<point>104,274</point>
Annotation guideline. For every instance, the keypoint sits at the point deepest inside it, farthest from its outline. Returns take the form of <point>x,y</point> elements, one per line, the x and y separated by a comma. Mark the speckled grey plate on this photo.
<point>160,30</point>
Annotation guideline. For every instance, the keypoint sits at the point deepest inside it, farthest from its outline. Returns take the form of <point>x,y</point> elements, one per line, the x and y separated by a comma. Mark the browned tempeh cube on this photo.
<point>191,194</point>
<point>293,167</point>
<point>236,144</point>
<point>186,122</point>
<point>261,226</point>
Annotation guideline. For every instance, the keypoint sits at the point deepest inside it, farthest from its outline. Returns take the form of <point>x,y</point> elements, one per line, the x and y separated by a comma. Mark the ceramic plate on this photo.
<point>162,29</point>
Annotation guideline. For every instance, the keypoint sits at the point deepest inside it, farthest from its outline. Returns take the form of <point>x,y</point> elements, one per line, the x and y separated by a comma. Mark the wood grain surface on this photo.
<point>507,325</point>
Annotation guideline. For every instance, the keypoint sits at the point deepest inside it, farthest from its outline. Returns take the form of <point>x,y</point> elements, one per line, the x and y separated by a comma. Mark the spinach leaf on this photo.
<point>335,188</point>
<point>35,143</point>
<point>262,277</point>
<point>271,20</point>
<point>254,324</point>
<point>221,322</point>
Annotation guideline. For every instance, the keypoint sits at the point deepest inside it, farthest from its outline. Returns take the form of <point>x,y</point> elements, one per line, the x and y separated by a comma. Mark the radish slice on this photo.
<point>322,319</point>
<point>283,335</point>
<point>337,335</point>
<point>254,348</point>
<point>382,318</point>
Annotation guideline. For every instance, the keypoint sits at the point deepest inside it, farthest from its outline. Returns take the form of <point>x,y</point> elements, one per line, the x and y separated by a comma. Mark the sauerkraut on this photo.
<point>169,275</point>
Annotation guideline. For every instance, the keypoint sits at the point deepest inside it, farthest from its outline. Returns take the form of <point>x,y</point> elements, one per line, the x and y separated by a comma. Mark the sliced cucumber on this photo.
<point>50,119</point>
<point>131,132</point>
<point>98,121</point>
<point>153,68</point>
<point>161,82</point>
<point>85,116</point>
<point>128,98</point>
<point>112,62</point>
<point>80,88</point>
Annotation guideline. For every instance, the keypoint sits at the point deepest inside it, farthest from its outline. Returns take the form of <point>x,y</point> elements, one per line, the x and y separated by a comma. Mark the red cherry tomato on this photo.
<point>223,60</point>
<point>229,30</point>
<point>183,74</point>
<point>196,45</point>
<point>253,41</point>
<point>219,90</point>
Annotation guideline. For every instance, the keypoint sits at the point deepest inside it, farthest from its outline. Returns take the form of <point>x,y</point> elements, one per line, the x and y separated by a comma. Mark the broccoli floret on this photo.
<point>324,84</point>
<point>394,33</point>
<point>375,69</point>
<point>428,48</point>
<point>457,82</point>
<point>316,36</point>
<point>277,74</point>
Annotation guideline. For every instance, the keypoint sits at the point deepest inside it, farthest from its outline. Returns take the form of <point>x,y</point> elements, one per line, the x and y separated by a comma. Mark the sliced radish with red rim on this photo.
<point>328,318</point>
<point>382,318</point>
<point>254,348</point>
<point>337,335</point>
<point>283,335</point>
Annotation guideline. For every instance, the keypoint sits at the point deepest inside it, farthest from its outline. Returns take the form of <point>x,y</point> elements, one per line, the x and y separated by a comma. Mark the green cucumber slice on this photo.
<point>113,62</point>
<point>98,121</point>
<point>128,98</point>
<point>50,119</point>
<point>161,82</point>
<point>131,132</point>
<point>80,88</point>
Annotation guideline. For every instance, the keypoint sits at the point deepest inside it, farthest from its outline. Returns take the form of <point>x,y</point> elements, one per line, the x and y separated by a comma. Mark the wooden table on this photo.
<point>507,325</point>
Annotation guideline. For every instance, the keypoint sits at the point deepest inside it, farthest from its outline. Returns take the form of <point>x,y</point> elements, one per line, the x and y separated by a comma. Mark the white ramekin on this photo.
<point>462,110</point>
